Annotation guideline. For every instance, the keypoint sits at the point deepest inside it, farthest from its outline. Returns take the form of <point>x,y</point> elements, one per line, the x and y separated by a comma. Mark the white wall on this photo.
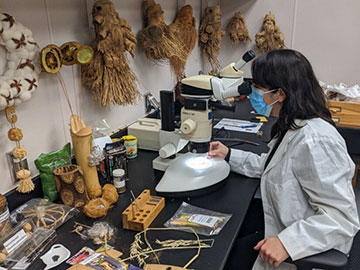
<point>326,31</point>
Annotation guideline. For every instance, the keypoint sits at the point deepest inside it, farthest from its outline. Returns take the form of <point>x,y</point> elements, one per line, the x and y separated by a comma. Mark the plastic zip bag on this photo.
<point>202,221</point>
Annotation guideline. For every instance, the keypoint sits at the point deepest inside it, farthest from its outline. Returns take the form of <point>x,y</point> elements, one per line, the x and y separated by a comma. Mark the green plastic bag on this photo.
<point>46,164</point>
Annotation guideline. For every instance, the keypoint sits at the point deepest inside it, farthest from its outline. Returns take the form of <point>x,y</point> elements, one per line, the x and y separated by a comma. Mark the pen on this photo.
<point>249,126</point>
<point>243,126</point>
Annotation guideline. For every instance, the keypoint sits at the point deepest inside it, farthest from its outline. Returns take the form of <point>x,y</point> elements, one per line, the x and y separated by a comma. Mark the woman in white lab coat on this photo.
<point>308,200</point>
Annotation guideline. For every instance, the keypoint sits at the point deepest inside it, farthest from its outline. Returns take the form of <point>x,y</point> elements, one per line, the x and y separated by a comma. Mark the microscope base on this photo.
<point>191,174</point>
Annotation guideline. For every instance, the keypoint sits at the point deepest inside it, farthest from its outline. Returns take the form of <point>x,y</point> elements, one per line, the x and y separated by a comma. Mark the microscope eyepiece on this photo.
<point>248,56</point>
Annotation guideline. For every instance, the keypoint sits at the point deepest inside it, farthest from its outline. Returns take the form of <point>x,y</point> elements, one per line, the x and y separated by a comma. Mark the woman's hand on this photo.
<point>218,150</point>
<point>272,250</point>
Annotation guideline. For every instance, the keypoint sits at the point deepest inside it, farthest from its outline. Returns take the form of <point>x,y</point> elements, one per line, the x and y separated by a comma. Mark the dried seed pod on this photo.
<point>96,208</point>
<point>84,55</point>
<point>15,134</point>
<point>68,51</point>
<point>2,257</point>
<point>27,227</point>
<point>51,59</point>
<point>110,194</point>
<point>19,152</point>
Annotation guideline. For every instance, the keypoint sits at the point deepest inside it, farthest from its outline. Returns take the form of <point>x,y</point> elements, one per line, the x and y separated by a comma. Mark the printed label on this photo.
<point>15,241</point>
<point>208,221</point>
<point>119,184</point>
<point>4,216</point>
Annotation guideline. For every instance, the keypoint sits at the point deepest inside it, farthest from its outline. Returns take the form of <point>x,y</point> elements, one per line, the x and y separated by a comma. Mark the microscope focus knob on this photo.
<point>167,150</point>
<point>188,126</point>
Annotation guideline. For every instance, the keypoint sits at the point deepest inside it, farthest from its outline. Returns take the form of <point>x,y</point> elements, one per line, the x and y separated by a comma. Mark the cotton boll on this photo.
<point>17,101</point>
<point>10,45</point>
<point>11,102</point>
<point>9,73</point>
<point>13,57</point>
<point>25,96</point>
<point>21,73</point>
<point>23,53</point>
<point>4,88</point>
<point>7,35</point>
<point>12,65</point>
<point>3,103</point>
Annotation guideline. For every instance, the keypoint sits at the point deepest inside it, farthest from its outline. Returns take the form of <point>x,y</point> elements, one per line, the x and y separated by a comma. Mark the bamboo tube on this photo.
<point>82,147</point>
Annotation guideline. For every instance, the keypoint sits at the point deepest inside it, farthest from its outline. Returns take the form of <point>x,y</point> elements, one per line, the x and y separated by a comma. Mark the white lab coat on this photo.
<point>308,199</point>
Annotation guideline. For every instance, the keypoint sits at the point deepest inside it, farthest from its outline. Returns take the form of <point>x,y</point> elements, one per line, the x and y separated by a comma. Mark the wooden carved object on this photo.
<point>210,35</point>
<point>70,184</point>
<point>270,38</point>
<point>237,29</point>
<point>81,136</point>
<point>139,214</point>
<point>108,75</point>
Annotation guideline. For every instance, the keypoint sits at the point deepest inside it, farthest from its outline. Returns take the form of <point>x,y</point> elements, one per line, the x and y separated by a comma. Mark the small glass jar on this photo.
<point>119,180</point>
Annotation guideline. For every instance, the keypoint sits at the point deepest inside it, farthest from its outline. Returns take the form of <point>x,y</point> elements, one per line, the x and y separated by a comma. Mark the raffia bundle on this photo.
<point>109,76</point>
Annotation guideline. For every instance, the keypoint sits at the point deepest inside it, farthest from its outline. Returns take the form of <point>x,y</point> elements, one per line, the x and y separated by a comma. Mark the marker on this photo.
<point>249,126</point>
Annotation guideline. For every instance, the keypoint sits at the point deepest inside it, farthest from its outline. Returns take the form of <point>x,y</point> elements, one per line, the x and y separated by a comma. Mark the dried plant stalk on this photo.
<point>109,76</point>
<point>210,35</point>
<point>237,29</point>
<point>270,38</point>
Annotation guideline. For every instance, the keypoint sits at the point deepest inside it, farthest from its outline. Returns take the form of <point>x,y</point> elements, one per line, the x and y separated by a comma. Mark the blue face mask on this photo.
<point>257,101</point>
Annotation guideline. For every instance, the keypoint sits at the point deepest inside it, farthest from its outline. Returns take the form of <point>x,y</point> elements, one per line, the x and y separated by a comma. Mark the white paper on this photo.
<point>15,241</point>
<point>238,125</point>
<point>205,220</point>
<point>102,141</point>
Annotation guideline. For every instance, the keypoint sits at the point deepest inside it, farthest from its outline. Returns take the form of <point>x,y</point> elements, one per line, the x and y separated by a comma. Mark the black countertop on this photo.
<point>233,197</point>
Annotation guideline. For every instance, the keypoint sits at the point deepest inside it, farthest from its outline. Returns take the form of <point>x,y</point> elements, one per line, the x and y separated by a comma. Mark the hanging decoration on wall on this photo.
<point>184,28</point>
<point>19,152</point>
<point>109,75</point>
<point>270,38</point>
<point>160,41</point>
<point>19,76</point>
<point>70,53</point>
<point>237,29</point>
<point>210,35</point>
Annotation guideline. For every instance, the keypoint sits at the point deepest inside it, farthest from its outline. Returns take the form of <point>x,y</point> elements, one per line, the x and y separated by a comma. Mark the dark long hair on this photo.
<point>292,72</point>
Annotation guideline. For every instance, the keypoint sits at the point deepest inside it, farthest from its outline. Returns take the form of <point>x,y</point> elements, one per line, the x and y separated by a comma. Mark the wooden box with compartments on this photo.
<point>345,113</point>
